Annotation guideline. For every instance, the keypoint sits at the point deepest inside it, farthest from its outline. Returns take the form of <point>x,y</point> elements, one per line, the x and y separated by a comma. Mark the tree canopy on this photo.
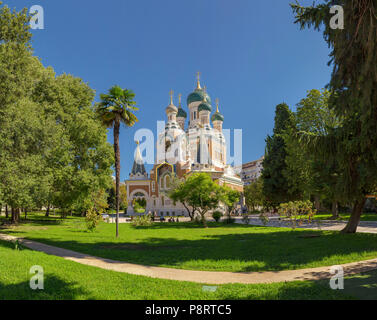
<point>54,149</point>
<point>353,88</point>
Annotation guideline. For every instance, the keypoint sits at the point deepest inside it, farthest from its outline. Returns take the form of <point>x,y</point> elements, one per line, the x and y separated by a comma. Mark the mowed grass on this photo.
<point>67,280</point>
<point>220,247</point>
<point>345,216</point>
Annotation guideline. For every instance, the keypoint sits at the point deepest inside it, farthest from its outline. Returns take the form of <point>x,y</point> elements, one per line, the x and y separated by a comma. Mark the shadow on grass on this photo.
<point>363,286</point>
<point>54,289</point>
<point>309,290</point>
<point>257,250</point>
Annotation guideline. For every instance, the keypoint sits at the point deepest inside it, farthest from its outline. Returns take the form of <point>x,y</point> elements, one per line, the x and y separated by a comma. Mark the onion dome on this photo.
<point>204,106</point>
<point>199,94</point>
<point>217,116</point>
<point>181,113</point>
<point>171,107</point>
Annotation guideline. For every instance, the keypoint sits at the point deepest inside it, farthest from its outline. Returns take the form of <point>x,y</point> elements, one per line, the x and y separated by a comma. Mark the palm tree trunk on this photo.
<point>117,171</point>
<point>354,220</point>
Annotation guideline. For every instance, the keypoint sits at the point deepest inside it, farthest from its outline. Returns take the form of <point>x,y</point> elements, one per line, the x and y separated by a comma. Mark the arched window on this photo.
<point>167,181</point>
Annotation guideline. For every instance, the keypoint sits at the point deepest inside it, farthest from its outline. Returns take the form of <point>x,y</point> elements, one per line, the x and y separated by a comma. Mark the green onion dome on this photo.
<point>181,113</point>
<point>204,106</point>
<point>217,116</point>
<point>197,96</point>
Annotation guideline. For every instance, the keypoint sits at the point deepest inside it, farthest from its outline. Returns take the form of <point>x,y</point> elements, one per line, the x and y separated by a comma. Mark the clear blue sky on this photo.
<point>249,52</point>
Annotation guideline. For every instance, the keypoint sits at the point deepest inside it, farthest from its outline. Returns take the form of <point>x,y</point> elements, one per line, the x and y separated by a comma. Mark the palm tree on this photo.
<point>115,108</point>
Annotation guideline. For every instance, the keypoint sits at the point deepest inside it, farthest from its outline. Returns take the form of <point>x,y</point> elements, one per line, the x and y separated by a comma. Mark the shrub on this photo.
<point>142,221</point>
<point>92,219</point>
<point>217,215</point>
<point>264,218</point>
<point>297,212</point>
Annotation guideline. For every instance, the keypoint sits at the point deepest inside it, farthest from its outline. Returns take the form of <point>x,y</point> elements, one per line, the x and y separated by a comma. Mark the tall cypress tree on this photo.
<point>275,185</point>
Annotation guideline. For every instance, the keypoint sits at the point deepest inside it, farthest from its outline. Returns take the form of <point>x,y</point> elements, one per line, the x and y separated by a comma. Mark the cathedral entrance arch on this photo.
<point>139,201</point>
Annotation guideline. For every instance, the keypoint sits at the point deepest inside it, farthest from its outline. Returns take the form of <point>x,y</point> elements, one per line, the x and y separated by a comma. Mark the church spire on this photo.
<point>138,166</point>
<point>217,105</point>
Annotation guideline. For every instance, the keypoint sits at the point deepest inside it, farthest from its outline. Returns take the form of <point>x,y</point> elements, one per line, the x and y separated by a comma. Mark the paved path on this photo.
<point>275,221</point>
<point>207,277</point>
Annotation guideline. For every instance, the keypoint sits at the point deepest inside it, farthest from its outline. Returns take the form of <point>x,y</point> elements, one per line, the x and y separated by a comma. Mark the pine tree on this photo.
<point>353,86</point>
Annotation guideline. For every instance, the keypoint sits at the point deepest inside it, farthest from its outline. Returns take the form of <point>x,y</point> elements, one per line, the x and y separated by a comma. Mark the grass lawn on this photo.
<point>346,216</point>
<point>66,280</point>
<point>187,246</point>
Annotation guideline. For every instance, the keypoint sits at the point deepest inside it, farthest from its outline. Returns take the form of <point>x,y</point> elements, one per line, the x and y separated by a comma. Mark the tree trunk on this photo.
<point>334,209</point>
<point>354,220</point>
<point>15,215</point>
<point>6,211</point>
<point>317,203</point>
<point>117,171</point>
<point>204,221</point>
<point>48,210</point>
<point>25,210</point>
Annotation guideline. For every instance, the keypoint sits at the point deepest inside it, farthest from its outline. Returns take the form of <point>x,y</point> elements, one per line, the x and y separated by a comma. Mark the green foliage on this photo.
<point>216,215</point>
<point>236,247</point>
<point>297,212</point>
<point>115,108</point>
<point>139,205</point>
<point>230,198</point>
<point>92,219</point>
<point>353,88</point>
<point>69,280</point>
<point>254,196</point>
<point>117,105</point>
<point>111,200</point>
<point>179,191</point>
<point>275,186</point>
<point>54,150</point>
<point>14,26</point>
<point>308,173</point>
<point>200,193</point>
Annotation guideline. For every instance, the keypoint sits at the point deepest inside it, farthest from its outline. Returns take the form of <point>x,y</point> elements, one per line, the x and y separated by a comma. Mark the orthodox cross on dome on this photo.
<point>205,93</point>
<point>198,80</point>
<point>171,92</point>
<point>180,99</point>
<point>217,104</point>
